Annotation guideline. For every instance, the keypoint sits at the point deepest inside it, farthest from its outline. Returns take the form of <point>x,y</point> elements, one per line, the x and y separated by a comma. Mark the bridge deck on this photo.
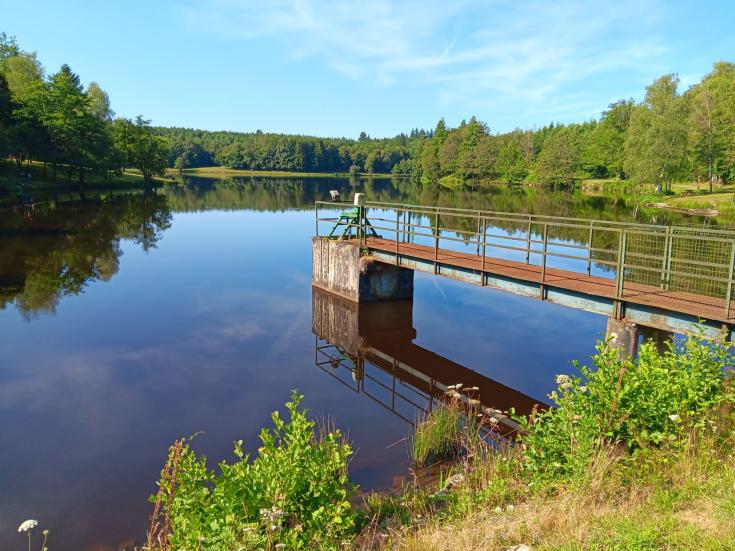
<point>705,307</point>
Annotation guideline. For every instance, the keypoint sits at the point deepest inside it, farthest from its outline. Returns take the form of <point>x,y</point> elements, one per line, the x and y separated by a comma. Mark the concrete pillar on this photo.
<point>338,266</point>
<point>660,337</point>
<point>623,336</point>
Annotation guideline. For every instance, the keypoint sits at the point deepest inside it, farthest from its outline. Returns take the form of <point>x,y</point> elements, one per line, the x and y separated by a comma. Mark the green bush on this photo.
<point>632,404</point>
<point>294,493</point>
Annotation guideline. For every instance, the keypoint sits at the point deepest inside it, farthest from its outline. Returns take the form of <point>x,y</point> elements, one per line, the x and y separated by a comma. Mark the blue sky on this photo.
<point>336,68</point>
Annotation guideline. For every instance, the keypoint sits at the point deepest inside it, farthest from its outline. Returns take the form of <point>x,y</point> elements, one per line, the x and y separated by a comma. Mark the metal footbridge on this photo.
<point>676,278</point>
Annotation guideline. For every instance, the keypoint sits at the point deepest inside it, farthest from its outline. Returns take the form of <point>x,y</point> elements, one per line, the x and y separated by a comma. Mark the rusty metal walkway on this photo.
<point>671,277</point>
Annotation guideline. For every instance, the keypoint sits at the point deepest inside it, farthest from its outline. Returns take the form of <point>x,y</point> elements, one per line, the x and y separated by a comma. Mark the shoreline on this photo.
<point>218,172</point>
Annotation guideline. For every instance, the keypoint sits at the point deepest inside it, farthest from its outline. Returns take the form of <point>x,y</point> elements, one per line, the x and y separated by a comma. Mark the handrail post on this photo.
<point>666,265</point>
<point>528,242</point>
<point>478,235</point>
<point>728,294</point>
<point>589,250</point>
<point>620,275</point>
<point>398,217</point>
<point>484,238</point>
<point>543,254</point>
<point>316,218</point>
<point>436,241</point>
<point>362,225</point>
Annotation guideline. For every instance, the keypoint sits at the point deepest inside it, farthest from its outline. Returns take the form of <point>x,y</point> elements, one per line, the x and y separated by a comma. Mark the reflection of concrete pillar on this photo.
<point>660,338</point>
<point>623,336</point>
<point>339,267</point>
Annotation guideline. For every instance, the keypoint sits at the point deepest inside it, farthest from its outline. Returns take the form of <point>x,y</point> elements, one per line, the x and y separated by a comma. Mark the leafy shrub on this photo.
<point>633,404</point>
<point>295,492</point>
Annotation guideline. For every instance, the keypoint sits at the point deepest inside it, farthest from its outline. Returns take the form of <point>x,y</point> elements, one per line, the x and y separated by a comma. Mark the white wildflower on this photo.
<point>28,525</point>
<point>674,417</point>
<point>510,508</point>
<point>583,388</point>
<point>498,509</point>
<point>564,382</point>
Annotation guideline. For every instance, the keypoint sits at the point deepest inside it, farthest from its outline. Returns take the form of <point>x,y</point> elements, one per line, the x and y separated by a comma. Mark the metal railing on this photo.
<point>639,257</point>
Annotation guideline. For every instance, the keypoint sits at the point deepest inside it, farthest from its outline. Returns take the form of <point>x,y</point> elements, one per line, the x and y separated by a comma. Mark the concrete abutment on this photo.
<point>338,266</point>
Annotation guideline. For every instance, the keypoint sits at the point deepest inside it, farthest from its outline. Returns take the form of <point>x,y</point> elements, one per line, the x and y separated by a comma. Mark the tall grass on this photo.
<point>452,429</point>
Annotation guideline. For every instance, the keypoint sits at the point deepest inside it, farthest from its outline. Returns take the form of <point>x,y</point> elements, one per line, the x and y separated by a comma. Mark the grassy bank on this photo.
<point>222,172</point>
<point>10,177</point>
<point>636,455</point>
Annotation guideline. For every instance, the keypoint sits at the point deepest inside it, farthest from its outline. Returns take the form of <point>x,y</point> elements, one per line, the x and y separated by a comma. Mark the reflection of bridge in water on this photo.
<point>675,279</point>
<point>369,348</point>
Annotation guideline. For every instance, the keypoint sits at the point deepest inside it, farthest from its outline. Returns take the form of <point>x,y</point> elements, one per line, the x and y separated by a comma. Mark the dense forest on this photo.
<point>670,136</point>
<point>266,151</point>
<point>53,119</point>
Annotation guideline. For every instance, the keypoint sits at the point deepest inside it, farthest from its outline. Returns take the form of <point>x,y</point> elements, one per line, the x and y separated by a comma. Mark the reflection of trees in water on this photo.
<point>274,194</point>
<point>56,249</point>
<point>59,246</point>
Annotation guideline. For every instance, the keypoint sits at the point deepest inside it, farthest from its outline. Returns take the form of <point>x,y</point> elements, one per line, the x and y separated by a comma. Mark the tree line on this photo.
<point>189,148</point>
<point>667,137</point>
<point>53,119</point>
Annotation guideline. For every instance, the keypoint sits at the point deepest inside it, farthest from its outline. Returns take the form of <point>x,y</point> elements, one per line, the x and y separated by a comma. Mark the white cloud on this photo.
<point>470,52</point>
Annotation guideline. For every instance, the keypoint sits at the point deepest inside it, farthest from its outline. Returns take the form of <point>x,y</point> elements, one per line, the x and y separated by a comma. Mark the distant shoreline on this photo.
<point>218,172</point>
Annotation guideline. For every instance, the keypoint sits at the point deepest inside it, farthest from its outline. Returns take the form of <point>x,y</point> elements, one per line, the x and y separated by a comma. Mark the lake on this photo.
<point>129,319</point>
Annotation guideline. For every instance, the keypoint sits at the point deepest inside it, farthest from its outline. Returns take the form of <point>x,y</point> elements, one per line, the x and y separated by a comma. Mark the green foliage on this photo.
<point>140,146</point>
<point>295,492</point>
<point>604,151</point>
<point>558,161</point>
<point>270,151</point>
<point>656,142</point>
<point>436,437</point>
<point>637,405</point>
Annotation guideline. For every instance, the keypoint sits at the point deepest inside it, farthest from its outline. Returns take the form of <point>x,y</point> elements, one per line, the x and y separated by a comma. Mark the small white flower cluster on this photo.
<point>674,417</point>
<point>564,382</point>
<point>27,525</point>
<point>272,518</point>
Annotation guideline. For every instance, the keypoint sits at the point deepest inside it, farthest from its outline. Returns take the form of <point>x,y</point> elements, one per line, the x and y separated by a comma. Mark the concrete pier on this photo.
<point>626,337</point>
<point>337,266</point>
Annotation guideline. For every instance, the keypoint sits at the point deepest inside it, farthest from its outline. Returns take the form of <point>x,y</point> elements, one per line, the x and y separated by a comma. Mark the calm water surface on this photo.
<point>130,319</point>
